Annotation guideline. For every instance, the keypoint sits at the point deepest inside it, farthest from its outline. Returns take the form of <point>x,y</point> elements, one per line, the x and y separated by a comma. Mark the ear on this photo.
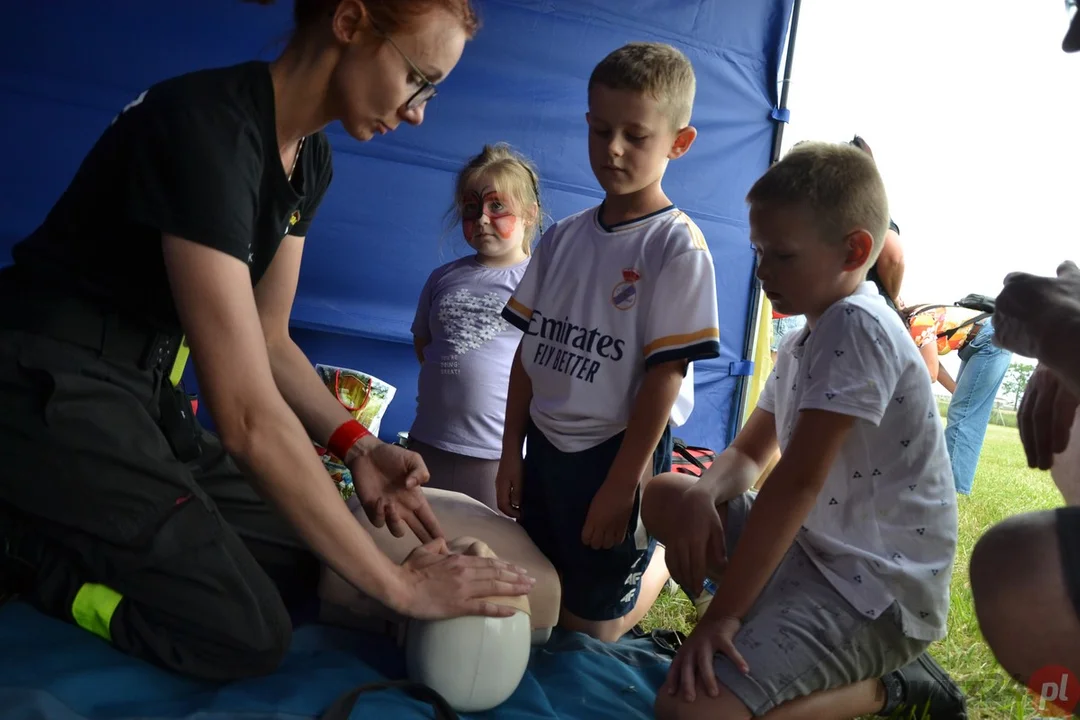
<point>860,245</point>
<point>350,21</point>
<point>683,140</point>
<point>586,117</point>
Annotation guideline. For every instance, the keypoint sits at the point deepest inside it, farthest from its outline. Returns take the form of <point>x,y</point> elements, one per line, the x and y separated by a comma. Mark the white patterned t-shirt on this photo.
<point>884,526</point>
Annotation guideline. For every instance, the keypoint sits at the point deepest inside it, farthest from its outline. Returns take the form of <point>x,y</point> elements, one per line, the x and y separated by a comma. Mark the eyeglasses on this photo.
<point>427,88</point>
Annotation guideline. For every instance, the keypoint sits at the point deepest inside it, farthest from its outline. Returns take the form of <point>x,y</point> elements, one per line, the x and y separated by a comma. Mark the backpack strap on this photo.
<point>680,447</point>
<point>971,321</point>
<point>343,706</point>
<point>916,309</point>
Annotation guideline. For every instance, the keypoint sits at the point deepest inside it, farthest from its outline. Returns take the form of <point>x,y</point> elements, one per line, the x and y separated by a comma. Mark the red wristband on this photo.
<point>345,437</point>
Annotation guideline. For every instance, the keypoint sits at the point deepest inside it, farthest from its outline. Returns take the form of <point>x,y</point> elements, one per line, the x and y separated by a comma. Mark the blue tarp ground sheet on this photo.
<point>52,670</point>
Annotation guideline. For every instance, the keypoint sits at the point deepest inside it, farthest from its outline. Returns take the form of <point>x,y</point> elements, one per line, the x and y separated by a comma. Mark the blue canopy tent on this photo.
<point>69,66</point>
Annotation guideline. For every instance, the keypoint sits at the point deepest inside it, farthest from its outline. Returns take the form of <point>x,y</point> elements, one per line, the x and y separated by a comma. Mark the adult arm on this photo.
<point>945,378</point>
<point>890,265</point>
<point>258,428</point>
<point>930,357</point>
<point>218,311</point>
<point>386,478</point>
<point>293,374</point>
<point>1039,317</point>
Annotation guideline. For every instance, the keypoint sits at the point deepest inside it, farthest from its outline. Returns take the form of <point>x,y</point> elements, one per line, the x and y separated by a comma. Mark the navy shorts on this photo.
<point>557,490</point>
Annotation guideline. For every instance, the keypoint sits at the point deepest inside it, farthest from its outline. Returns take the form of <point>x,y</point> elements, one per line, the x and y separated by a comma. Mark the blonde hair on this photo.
<point>655,69</point>
<point>838,182</point>
<point>515,179</point>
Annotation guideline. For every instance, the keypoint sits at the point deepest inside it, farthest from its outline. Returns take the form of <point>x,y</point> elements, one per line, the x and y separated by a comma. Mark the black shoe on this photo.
<point>922,690</point>
<point>667,642</point>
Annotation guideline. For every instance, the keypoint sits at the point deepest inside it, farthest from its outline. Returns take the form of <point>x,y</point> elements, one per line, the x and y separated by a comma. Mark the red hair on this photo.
<point>389,15</point>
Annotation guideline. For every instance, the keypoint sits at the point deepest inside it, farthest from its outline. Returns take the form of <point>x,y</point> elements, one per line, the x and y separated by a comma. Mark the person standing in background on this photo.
<point>887,272</point>
<point>942,329</point>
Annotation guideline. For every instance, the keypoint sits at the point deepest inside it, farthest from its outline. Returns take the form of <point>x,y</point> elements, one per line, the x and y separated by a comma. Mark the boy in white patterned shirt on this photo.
<point>835,576</point>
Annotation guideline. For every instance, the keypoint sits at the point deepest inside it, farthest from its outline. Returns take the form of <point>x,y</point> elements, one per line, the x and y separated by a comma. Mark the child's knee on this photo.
<point>724,706</point>
<point>657,500</point>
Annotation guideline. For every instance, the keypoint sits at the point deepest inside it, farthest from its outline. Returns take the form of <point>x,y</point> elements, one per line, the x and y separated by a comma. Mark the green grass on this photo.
<point>1004,486</point>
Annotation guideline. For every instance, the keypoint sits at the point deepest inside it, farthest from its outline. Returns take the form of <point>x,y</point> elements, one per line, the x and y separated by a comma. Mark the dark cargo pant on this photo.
<point>179,563</point>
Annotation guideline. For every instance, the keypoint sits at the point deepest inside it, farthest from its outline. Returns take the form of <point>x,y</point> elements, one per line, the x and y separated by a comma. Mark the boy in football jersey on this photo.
<point>616,303</point>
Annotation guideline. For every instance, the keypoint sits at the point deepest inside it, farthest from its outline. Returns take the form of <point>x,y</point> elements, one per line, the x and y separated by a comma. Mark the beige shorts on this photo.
<point>802,636</point>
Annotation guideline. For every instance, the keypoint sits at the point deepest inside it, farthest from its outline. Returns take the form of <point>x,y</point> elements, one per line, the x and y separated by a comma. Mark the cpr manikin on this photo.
<point>474,662</point>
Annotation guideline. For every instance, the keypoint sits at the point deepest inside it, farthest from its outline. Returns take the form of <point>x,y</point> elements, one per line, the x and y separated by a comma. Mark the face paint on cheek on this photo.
<point>468,227</point>
<point>505,225</point>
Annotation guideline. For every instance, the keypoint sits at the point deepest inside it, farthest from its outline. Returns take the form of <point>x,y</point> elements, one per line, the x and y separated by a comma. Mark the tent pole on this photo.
<point>778,136</point>
<point>751,338</point>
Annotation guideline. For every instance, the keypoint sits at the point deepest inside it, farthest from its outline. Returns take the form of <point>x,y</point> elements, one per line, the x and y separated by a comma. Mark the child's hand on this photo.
<point>508,486</point>
<point>700,545</point>
<point>609,514</point>
<point>693,664</point>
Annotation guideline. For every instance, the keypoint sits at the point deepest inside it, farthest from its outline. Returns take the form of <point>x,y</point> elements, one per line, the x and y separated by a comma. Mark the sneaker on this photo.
<point>665,641</point>
<point>924,691</point>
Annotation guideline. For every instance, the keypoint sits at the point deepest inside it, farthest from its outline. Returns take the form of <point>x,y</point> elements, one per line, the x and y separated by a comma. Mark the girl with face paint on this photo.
<point>464,346</point>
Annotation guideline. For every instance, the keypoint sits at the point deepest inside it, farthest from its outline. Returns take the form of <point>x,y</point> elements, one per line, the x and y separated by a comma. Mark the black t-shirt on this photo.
<point>195,156</point>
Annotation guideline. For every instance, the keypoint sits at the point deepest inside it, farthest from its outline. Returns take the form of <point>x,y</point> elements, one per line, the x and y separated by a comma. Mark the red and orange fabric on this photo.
<point>926,325</point>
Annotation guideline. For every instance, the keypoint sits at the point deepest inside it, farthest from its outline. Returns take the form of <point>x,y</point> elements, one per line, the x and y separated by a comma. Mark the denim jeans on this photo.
<point>977,385</point>
<point>783,326</point>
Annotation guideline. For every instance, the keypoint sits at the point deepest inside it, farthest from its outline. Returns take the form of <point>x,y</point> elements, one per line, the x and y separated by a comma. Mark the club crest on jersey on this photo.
<point>624,296</point>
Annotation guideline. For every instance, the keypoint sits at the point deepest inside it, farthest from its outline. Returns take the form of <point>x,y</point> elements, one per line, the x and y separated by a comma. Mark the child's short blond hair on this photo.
<point>655,69</point>
<point>515,178</point>
<point>838,182</point>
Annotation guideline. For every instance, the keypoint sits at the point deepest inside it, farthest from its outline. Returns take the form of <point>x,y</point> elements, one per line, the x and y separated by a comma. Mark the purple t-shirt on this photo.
<point>461,399</point>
